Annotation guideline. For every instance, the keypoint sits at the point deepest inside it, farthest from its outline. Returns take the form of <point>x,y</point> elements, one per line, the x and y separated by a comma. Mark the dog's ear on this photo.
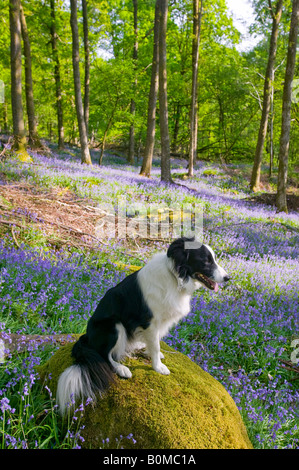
<point>180,255</point>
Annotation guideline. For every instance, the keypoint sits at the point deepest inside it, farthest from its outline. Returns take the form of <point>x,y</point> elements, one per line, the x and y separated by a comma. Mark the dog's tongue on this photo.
<point>216,287</point>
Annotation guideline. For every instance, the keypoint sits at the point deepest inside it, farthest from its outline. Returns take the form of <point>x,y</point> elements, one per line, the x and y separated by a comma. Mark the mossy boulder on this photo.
<point>188,409</point>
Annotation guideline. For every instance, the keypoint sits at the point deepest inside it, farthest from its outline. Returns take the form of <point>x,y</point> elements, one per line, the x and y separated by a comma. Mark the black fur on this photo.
<point>121,304</point>
<point>123,310</point>
<point>96,371</point>
<point>189,261</point>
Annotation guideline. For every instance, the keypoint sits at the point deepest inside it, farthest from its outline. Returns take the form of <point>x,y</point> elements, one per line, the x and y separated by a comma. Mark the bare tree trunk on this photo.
<point>33,140</point>
<point>19,142</point>
<point>176,128</point>
<point>271,124</point>
<point>194,105</point>
<point>133,104</point>
<point>164,131</point>
<point>281,201</point>
<point>57,78</point>
<point>152,101</point>
<point>85,155</point>
<point>269,78</point>
<point>86,65</point>
<point>106,132</point>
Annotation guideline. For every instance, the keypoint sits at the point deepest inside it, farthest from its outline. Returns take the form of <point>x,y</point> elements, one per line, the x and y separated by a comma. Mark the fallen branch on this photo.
<point>7,222</point>
<point>14,237</point>
<point>74,230</point>
<point>14,342</point>
<point>290,366</point>
<point>64,227</point>
<point>5,147</point>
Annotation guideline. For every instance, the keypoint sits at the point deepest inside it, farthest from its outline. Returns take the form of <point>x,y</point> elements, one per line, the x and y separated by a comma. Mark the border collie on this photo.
<point>137,313</point>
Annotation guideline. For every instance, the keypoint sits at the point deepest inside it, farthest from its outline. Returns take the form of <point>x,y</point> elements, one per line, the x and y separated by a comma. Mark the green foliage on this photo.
<point>230,84</point>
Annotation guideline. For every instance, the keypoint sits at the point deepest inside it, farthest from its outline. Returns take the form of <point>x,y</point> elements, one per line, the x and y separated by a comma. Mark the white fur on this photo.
<point>168,299</point>
<point>70,386</point>
<point>219,274</point>
<point>118,352</point>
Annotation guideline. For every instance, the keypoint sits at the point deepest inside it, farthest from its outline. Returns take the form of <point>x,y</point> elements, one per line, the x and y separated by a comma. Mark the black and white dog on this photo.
<point>137,313</point>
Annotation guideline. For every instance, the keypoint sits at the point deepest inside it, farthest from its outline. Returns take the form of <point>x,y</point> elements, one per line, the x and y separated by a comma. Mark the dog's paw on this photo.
<point>123,372</point>
<point>147,353</point>
<point>162,369</point>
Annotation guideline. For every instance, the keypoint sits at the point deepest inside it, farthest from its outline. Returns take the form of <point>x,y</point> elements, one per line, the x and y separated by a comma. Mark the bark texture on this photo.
<point>131,153</point>
<point>33,140</point>
<point>19,142</point>
<point>57,77</point>
<point>85,155</point>
<point>281,201</point>
<point>269,78</point>
<point>194,105</point>
<point>152,101</point>
<point>86,65</point>
<point>164,130</point>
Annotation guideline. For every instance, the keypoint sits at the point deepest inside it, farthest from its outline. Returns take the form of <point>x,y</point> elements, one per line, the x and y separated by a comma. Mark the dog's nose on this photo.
<point>226,278</point>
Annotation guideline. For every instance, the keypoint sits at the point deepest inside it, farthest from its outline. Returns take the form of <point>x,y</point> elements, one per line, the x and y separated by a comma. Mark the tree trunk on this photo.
<point>85,155</point>
<point>133,104</point>
<point>19,142</point>
<point>106,131</point>
<point>269,78</point>
<point>57,78</point>
<point>86,65</point>
<point>271,133</point>
<point>176,128</point>
<point>222,131</point>
<point>194,105</point>
<point>33,140</point>
<point>152,101</point>
<point>164,131</point>
<point>281,201</point>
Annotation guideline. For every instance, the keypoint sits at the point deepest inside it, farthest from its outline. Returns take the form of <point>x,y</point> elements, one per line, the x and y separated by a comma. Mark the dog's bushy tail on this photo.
<point>90,375</point>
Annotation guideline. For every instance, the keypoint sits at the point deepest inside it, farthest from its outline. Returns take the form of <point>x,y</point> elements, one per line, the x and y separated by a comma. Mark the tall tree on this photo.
<point>281,201</point>
<point>194,105</point>
<point>86,64</point>
<point>133,104</point>
<point>57,77</point>
<point>19,140</point>
<point>269,78</point>
<point>85,155</point>
<point>152,101</point>
<point>33,140</point>
<point>164,130</point>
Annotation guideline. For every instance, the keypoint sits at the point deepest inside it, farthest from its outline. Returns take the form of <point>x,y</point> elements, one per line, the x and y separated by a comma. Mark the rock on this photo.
<point>187,409</point>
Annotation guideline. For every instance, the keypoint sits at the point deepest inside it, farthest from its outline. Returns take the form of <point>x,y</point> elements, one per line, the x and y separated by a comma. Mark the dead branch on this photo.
<point>14,342</point>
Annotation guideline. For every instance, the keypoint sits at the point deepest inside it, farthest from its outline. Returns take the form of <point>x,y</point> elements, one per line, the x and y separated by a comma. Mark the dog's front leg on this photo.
<point>151,336</point>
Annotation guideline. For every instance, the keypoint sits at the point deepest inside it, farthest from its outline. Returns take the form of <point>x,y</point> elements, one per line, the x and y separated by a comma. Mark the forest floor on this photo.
<point>63,217</point>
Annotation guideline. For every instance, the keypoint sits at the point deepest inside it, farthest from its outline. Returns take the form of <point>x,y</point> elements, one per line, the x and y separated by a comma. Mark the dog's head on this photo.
<point>197,261</point>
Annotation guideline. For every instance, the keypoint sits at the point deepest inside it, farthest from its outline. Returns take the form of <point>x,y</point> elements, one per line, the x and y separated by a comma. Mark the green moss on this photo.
<point>187,409</point>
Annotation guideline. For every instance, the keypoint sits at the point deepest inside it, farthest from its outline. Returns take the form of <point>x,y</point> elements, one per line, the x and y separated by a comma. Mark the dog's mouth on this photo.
<point>212,285</point>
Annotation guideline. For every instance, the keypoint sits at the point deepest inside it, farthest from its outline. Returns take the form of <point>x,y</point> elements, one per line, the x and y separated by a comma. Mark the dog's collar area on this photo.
<point>179,280</point>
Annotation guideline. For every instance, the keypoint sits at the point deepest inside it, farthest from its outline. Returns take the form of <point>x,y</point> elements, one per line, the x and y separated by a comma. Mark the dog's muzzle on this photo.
<point>209,283</point>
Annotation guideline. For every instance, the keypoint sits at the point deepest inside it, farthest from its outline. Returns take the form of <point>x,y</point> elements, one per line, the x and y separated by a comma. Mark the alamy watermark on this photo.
<point>151,221</point>
<point>295,91</point>
<point>295,352</point>
<point>2,351</point>
<point>2,92</point>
